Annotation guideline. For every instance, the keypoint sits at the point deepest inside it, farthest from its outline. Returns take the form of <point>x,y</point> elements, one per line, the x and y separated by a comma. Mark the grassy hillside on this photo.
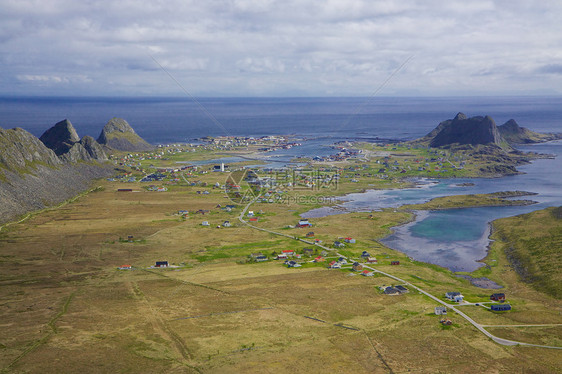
<point>532,243</point>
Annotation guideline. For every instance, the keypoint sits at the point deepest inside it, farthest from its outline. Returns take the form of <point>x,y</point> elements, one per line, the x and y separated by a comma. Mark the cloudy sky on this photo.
<point>280,48</point>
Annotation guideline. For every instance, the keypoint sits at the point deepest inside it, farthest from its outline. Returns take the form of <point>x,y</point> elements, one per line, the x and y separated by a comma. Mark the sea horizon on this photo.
<point>165,119</point>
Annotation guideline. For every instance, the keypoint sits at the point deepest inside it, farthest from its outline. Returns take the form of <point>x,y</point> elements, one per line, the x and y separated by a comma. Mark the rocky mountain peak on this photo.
<point>460,116</point>
<point>118,134</point>
<point>60,137</point>
<point>463,130</point>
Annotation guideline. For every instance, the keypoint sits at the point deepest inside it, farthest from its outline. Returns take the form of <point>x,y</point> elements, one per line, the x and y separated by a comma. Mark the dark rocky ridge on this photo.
<point>37,173</point>
<point>61,137</point>
<point>480,139</point>
<point>86,149</point>
<point>119,135</point>
<point>463,130</point>
<point>33,177</point>
<point>515,134</point>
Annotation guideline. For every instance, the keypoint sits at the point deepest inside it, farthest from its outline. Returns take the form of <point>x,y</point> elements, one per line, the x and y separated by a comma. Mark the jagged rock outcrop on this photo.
<point>33,177</point>
<point>119,135</point>
<point>86,149</point>
<point>61,137</point>
<point>463,130</point>
<point>515,134</point>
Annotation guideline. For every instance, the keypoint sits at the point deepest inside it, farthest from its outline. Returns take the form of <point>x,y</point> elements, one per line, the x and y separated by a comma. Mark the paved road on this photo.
<point>452,307</point>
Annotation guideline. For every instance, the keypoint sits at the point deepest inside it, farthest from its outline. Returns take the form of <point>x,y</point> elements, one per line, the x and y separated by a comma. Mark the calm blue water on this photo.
<point>163,120</point>
<point>455,238</point>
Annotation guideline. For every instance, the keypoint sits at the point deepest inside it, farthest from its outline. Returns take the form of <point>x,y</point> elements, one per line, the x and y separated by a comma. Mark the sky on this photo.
<point>280,48</point>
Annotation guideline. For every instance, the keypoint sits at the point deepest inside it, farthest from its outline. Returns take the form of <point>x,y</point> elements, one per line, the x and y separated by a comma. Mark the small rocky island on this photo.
<point>481,140</point>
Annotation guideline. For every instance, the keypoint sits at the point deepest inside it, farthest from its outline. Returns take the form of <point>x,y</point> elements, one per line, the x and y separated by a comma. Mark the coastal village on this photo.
<point>204,252</point>
<point>341,253</point>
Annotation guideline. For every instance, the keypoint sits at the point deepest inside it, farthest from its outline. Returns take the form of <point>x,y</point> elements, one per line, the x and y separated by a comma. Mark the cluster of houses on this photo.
<point>154,177</point>
<point>268,143</point>
<point>343,153</point>
<point>500,297</point>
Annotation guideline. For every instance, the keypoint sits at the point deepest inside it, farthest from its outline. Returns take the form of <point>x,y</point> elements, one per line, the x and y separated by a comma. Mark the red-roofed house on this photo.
<point>319,259</point>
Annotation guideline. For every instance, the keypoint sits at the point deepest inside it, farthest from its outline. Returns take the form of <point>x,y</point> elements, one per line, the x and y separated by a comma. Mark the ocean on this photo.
<point>166,120</point>
<point>455,239</point>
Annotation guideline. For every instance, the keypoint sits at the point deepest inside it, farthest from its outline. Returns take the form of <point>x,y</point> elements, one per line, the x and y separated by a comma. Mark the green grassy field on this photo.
<point>67,308</point>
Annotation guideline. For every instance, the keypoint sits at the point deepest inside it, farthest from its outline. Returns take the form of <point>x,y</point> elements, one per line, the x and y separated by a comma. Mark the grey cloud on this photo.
<point>243,47</point>
<point>550,69</point>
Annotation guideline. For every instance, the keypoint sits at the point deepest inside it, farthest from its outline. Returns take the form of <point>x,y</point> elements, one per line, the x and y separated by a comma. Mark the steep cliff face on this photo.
<point>61,137</point>
<point>20,149</point>
<point>33,177</point>
<point>119,135</point>
<point>463,130</point>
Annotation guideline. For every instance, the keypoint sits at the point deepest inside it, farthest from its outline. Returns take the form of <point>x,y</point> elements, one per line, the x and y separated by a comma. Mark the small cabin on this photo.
<point>394,262</point>
<point>349,240</point>
<point>391,291</point>
<point>454,296</point>
<point>334,265</point>
<point>205,223</point>
<point>365,254</point>
<point>304,223</point>
<point>371,260</point>
<point>500,307</point>
<point>161,264</point>
<point>498,297</point>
